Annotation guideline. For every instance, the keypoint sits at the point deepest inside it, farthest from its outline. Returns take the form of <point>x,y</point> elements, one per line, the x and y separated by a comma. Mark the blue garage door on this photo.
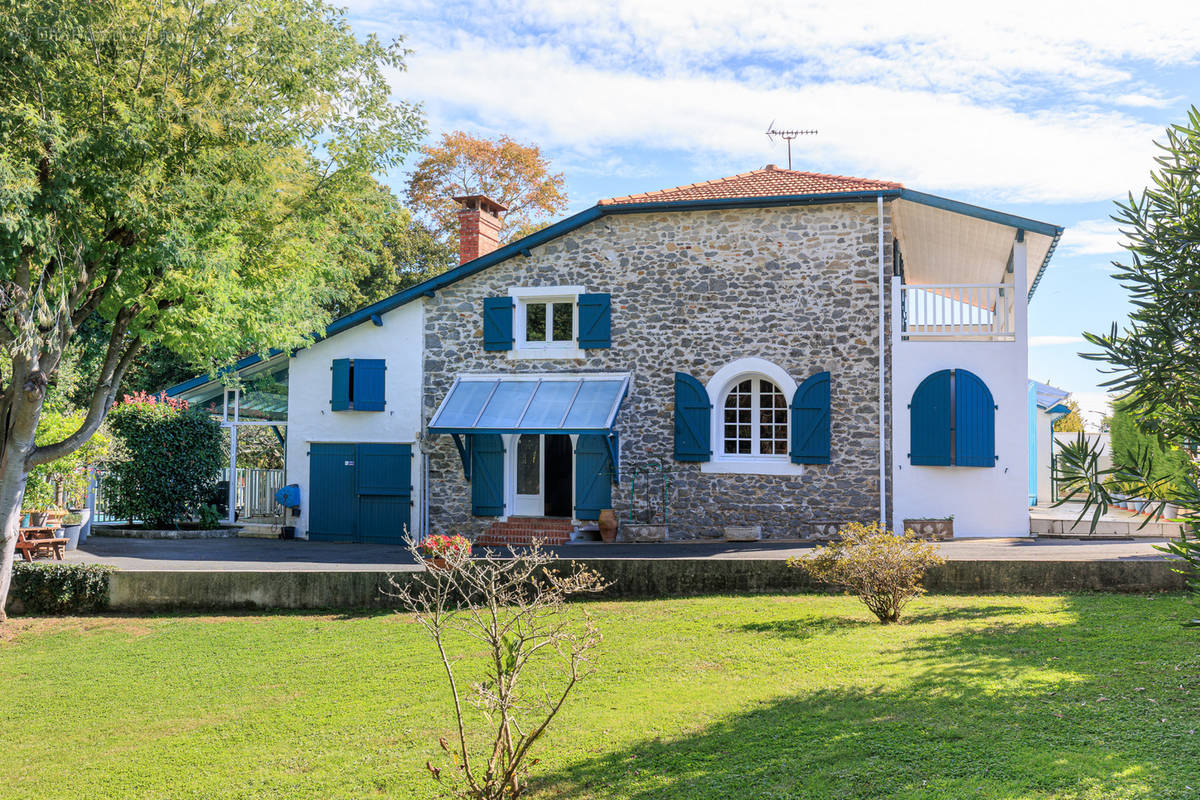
<point>360,492</point>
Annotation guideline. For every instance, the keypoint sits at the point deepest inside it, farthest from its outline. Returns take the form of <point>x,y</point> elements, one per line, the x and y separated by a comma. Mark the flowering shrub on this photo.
<point>882,569</point>
<point>444,546</point>
<point>166,460</point>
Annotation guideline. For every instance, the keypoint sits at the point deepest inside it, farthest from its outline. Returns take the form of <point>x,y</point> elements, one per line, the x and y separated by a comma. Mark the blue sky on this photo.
<point>1045,109</point>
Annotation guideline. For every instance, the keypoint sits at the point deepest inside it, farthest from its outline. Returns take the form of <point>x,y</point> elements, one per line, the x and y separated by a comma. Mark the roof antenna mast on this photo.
<point>787,136</point>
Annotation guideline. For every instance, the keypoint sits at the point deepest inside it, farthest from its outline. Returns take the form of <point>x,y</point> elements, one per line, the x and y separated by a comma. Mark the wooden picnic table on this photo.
<point>41,541</point>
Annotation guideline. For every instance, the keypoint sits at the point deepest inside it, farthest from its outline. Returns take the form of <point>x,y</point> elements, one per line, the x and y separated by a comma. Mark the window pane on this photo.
<point>564,322</point>
<point>535,322</point>
<point>772,417</point>
<point>529,466</point>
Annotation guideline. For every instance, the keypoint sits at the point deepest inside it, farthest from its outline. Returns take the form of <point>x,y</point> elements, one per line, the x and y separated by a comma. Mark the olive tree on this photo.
<point>169,171</point>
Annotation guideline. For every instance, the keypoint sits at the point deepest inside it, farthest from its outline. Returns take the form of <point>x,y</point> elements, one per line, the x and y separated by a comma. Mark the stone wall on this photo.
<point>692,291</point>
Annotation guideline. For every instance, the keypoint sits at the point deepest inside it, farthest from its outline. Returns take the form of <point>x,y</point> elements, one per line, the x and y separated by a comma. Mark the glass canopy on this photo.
<point>531,404</point>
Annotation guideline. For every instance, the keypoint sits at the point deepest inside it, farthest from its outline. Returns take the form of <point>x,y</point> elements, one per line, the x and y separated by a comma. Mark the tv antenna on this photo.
<point>787,136</point>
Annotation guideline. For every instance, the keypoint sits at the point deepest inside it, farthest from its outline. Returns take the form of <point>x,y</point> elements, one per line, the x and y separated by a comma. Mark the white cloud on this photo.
<point>1049,341</point>
<point>1021,103</point>
<point>1092,237</point>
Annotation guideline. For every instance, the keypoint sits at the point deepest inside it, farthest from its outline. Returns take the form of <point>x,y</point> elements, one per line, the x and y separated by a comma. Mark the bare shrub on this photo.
<point>515,607</point>
<point>882,569</point>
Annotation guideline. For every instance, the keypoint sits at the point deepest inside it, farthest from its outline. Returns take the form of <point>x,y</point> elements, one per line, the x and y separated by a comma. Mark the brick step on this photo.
<point>523,530</point>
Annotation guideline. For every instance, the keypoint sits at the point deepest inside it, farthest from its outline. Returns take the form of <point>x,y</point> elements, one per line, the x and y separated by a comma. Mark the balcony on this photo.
<point>962,312</point>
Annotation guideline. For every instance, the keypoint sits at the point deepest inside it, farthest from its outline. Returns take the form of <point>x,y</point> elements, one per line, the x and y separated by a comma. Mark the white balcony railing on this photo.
<point>959,311</point>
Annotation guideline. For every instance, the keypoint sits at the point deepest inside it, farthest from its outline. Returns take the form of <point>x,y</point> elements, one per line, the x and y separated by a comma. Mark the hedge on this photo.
<point>56,588</point>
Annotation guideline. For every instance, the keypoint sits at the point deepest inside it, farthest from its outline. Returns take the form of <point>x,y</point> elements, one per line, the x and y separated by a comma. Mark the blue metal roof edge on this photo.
<point>999,217</point>
<point>200,380</point>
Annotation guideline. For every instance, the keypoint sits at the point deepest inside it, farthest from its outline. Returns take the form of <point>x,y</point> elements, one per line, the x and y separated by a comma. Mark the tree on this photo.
<point>168,172</point>
<point>1072,422</point>
<point>384,250</point>
<point>508,172</point>
<point>1154,360</point>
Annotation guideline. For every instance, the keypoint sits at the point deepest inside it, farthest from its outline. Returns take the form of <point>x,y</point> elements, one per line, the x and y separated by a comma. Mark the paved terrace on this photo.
<point>272,555</point>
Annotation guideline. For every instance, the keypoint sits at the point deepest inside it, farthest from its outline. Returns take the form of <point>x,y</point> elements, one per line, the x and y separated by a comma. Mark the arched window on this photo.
<point>754,419</point>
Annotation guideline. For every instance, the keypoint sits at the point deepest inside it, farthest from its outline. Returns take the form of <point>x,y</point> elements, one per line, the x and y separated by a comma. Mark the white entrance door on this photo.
<point>530,458</point>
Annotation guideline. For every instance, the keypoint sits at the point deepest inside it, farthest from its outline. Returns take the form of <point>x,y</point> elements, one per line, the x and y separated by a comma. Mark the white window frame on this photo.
<point>527,295</point>
<point>718,388</point>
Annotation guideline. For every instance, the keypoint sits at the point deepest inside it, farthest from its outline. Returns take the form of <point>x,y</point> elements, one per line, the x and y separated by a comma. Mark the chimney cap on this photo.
<point>481,202</point>
<point>771,167</point>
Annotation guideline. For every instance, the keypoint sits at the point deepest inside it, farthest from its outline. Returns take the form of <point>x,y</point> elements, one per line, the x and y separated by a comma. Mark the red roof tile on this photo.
<point>768,182</point>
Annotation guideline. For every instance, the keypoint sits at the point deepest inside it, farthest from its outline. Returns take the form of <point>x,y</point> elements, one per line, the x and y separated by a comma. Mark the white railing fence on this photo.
<point>255,492</point>
<point>972,311</point>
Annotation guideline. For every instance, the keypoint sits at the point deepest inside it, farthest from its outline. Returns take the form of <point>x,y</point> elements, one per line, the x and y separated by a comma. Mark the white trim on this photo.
<point>522,296</point>
<point>744,466</point>
<point>534,292</point>
<point>524,353</point>
<point>717,387</point>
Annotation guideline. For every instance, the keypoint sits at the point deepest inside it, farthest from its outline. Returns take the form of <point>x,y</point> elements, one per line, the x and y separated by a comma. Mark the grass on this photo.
<point>1088,696</point>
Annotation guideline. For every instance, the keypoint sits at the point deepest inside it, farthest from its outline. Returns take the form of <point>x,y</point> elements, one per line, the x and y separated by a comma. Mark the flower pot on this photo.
<point>435,563</point>
<point>38,518</point>
<point>1170,511</point>
<point>608,525</point>
<point>71,534</point>
<point>85,522</point>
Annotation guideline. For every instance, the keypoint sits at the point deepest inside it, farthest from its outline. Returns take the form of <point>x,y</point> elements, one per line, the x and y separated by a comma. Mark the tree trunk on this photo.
<point>24,407</point>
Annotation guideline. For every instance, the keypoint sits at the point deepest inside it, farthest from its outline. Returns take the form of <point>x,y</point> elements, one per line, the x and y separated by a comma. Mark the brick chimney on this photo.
<point>478,226</point>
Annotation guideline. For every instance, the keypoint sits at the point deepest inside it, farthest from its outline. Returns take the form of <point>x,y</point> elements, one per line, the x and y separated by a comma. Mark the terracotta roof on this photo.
<point>770,181</point>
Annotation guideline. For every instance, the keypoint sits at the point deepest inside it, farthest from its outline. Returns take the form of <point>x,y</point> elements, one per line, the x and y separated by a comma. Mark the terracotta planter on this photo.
<point>435,564</point>
<point>608,525</point>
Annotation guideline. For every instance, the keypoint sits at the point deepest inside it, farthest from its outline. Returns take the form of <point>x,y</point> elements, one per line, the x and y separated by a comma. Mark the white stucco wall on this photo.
<point>983,501</point>
<point>400,341</point>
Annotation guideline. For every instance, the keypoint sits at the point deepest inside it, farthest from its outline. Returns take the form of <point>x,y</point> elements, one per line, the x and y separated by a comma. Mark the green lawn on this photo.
<point>1081,696</point>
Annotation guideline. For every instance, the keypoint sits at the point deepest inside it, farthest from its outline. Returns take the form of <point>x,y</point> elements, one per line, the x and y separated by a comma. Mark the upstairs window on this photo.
<point>548,323</point>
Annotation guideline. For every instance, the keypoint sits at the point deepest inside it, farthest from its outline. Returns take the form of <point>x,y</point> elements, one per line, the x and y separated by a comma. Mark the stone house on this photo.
<point>780,349</point>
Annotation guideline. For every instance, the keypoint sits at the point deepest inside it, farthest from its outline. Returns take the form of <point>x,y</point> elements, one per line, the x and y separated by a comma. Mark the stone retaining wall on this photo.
<point>631,578</point>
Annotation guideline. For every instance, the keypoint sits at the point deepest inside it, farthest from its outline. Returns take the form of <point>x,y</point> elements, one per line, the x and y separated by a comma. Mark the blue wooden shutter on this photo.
<point>595,321</point>
<point>810,421</point>
<point>692,420</point>
<point>368,384</point>
<point>497,323</point>
<point>340,397</point>
<point>930,421</point>
<point>974,421</point>
<point>593,476</point>
<point>487,475</point>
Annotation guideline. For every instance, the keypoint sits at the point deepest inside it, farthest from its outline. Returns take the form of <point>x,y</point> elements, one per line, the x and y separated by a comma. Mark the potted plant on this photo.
<point>608,525</point>
<point>435,550</point>
<point>39,497</point>
<point>71,525</point>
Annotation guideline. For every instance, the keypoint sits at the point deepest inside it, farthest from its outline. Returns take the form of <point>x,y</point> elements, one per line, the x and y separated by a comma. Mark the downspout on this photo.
<point>882,382</point>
